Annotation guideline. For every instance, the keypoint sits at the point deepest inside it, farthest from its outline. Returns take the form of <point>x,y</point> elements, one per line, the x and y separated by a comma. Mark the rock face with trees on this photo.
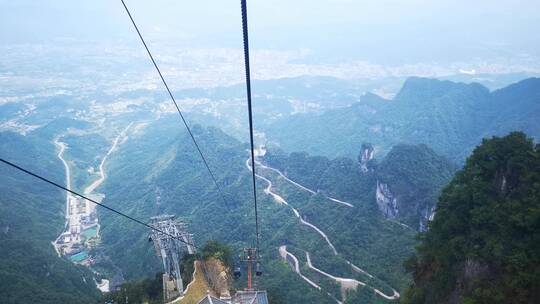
<point>409,181</point>
<point>405,183</point>
<point>483,245</point>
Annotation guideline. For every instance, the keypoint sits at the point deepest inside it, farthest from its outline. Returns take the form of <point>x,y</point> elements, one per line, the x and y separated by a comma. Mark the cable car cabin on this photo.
<point>237,272</point>
<point>258,270</point>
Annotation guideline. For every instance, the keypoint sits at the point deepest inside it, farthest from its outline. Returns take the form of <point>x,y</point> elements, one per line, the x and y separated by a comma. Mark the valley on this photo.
<point>82,228</point>
<point>327,236</point>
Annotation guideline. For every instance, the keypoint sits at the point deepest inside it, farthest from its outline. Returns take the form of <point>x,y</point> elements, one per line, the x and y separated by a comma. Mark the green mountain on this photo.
<point>409,181</point>
<point>517,107</point>
<point>483,245</point>
<point>158,171</point>
<point>31,217</point>
<point>362,210</point>
<point>404,185</point>
<point>449,117</point>
<point>161,162</point>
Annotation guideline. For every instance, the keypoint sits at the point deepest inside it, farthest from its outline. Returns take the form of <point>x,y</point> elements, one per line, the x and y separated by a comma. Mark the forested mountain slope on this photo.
<point>31,217</point>
<point>449,117</point>
<point>411,177</point>
<point>404,185</point>
<point>483,245</point>
<point>158,171</point>
<point>333,210</point>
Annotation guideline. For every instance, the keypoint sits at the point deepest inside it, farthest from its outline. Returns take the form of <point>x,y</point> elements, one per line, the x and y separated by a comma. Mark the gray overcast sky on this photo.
<point>393,31</point>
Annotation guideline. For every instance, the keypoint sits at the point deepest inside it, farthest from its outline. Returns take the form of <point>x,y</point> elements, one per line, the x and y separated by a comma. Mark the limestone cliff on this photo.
<point>386,201</point>
<point>409,180</point>
<point>366,155</point>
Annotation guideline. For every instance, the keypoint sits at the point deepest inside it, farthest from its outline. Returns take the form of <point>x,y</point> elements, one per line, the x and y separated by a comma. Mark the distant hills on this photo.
<point>447,116</point>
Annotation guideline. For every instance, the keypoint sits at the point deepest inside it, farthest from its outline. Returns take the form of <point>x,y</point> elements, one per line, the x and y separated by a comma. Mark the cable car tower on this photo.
<point>250,295</point>
<point>251,257</point>
<point>169,247</point>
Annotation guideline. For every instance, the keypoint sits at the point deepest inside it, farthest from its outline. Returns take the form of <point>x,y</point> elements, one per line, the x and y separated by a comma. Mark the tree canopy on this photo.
<point>483,245</point>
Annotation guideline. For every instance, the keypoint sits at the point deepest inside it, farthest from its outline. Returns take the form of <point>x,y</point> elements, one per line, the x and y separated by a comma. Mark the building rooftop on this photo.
<point>212,300</point>
<point>250,297</point>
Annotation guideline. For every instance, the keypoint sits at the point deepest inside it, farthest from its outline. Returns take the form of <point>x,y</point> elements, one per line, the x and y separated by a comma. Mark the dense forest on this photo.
<point>31,271</point>
<point>483,245</point>
<point>415,174</point>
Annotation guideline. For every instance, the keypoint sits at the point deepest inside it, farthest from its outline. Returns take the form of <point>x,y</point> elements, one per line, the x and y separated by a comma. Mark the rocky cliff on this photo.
<point>366,155</point>
<point>386,201</point>
<point>409,180</point>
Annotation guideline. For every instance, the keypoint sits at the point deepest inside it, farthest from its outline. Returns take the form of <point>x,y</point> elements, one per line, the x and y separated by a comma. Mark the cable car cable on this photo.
<point>248,92</point>
<point>175,104</point>
<point>93,201</point>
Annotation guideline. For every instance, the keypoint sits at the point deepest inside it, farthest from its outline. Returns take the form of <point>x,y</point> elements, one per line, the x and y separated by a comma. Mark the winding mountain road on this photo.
<point>296,267</point>
<point>102,175</point>
<point>279,199</point>
<point>303,187</point>
<point>346,283</point>
<point>67,170</point>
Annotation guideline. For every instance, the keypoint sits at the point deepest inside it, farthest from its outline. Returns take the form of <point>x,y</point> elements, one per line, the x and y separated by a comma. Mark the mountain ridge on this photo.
<point>449,117</point>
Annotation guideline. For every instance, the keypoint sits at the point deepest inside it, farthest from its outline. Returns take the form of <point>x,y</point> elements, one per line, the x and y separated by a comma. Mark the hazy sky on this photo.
<point>380,31</point>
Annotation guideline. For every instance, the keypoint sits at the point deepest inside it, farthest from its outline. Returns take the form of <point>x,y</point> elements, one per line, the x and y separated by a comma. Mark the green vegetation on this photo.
<point>365,295</point>
<point>214,249</point>
<point>30,219</point>
<point>415,175</point>
<point>162,158</point>
<point>81,158</point>
<point>157,170</point>
<point>151,290</point>
<point>158,158</point>
<point>451,118</point>
<point>145,291</point>
<point>484,243</point>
